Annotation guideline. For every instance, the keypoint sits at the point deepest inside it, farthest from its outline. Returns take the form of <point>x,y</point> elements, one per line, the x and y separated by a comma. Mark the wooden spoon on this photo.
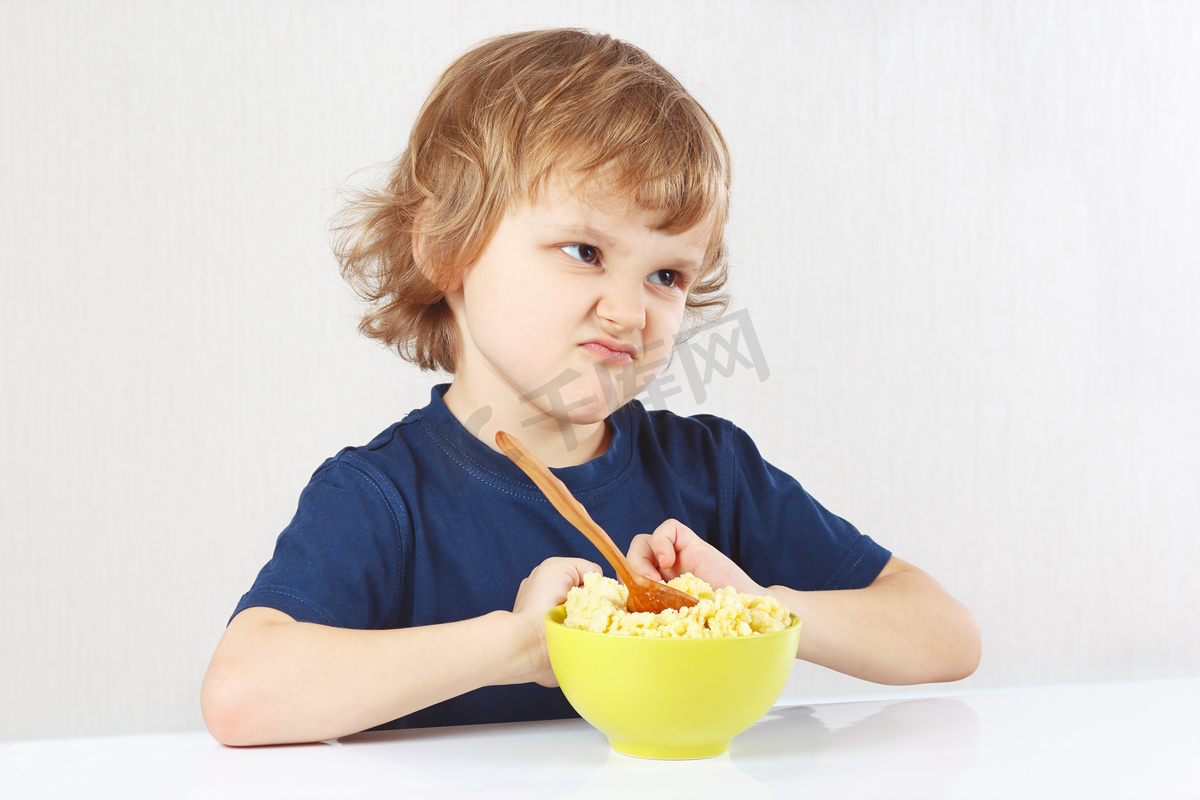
<point>644,594</point>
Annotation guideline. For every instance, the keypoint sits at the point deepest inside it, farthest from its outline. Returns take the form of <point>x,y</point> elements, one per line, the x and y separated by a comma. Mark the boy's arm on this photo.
<point>904,628</point>
<point>273,680</point>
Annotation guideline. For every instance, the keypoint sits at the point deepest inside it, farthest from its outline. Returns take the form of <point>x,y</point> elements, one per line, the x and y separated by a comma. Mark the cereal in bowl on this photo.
<point>599,606</point>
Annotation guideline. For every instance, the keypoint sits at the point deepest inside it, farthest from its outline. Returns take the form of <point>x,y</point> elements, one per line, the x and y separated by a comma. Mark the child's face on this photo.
<point>572,309</point>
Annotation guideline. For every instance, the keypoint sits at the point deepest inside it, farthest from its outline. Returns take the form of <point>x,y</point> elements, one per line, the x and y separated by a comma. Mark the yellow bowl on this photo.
<point>670,698</point>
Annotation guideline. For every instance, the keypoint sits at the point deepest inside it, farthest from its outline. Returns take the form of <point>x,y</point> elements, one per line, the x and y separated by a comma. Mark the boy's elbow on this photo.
<point>220,715</point>
<point>951,652</point>
<point>236,693</point>
<point>226,713</point>
<point>968,649</point>
<point>976,653</point>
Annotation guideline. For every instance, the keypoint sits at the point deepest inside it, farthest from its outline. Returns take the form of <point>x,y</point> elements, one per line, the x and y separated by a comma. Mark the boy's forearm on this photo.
<point>273,680</point>
<point>902,629</point>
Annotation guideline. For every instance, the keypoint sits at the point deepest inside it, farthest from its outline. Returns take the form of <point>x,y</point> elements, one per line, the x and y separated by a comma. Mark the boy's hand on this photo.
<point>545,588</point>
<point>674,549</point>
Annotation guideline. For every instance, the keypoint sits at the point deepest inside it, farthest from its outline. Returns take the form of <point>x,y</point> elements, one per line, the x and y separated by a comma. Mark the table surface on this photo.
<point>1137,739</point>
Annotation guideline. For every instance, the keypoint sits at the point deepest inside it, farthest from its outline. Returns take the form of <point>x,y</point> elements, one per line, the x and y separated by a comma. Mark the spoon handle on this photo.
<point>562,499</point>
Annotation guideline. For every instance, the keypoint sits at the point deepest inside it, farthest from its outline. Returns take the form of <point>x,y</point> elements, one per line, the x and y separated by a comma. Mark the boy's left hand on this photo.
<point>546,587</point>
<point>674,549</point>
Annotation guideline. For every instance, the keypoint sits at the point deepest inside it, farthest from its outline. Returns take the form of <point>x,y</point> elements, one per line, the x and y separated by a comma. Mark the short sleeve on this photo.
<point>783,536</point>
<point>340,560</point>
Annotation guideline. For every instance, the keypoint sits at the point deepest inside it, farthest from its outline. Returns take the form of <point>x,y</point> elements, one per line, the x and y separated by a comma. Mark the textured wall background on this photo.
<point>966,234</point>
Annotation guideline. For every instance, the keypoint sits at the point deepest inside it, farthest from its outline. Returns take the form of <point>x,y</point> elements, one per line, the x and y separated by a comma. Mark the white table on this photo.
<point>1135,740</point>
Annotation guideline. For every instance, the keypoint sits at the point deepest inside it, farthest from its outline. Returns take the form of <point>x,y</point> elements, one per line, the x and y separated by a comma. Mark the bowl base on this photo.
<point>669,752</point>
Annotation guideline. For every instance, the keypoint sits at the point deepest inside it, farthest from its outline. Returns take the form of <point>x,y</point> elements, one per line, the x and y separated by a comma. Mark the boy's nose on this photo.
<point>622,306</point>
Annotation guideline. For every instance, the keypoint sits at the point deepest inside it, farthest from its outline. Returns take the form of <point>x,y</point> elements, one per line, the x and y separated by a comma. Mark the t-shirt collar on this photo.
<point>476,457</point>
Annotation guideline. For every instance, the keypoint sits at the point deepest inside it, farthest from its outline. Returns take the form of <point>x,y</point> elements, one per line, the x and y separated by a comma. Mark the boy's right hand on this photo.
<point>545,588</point>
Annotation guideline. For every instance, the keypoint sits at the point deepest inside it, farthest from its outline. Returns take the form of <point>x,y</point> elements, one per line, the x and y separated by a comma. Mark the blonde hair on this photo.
<point>502,120</point>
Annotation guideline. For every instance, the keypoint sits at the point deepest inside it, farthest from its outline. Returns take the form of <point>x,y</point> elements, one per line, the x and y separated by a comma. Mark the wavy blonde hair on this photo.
<point>500,122</point>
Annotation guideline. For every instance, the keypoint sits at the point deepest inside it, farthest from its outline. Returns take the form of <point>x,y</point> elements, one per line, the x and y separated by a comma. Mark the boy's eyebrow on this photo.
<point>585,232</point>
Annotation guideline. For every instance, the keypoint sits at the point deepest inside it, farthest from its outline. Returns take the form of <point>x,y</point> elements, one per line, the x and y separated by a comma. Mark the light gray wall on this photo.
<point>966,234</point>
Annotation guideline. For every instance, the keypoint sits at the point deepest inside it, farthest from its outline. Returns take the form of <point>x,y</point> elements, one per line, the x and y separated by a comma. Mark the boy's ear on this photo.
<point>429,272</point>
<point>419,243</point>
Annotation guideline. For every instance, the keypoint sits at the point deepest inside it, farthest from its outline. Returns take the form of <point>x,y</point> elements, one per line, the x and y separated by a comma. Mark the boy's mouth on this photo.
<point>616,353</point>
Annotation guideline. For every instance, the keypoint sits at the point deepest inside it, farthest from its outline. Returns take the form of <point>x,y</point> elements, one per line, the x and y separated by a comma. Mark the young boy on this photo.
<point>558,213</point>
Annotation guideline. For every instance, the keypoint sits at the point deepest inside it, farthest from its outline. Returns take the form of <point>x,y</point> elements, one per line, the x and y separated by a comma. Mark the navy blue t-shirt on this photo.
<point>426,524</point>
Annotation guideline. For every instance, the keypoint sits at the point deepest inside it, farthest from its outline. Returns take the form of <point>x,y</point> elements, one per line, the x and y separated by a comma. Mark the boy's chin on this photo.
<point>595,408</point>
<point>613,394</point>
<point>594,413</point>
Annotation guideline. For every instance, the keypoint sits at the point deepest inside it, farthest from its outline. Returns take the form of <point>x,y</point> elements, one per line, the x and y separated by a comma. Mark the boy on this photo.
<point>557,214</point>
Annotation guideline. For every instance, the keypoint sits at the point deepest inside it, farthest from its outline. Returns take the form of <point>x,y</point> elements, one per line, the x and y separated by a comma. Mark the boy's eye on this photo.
<point>583,252</point>
<point>666,277</point>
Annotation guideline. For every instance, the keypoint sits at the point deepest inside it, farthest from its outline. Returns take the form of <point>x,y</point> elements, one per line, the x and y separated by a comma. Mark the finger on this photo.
<point>666,541</point>
<point>550,581</point>
<point>581,567</point>
<point>577,565</point>
<point>642,558</point>
<point>567,572</point>
<point>575,568</point>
